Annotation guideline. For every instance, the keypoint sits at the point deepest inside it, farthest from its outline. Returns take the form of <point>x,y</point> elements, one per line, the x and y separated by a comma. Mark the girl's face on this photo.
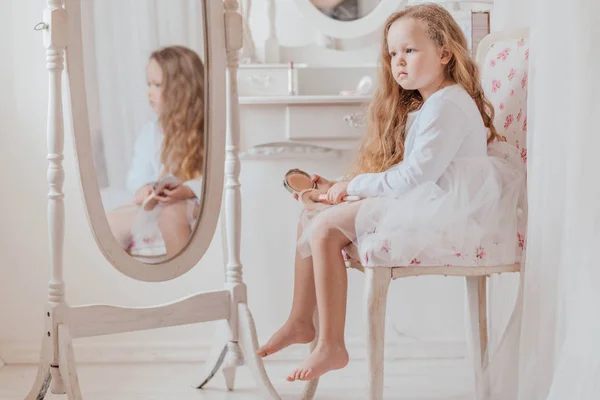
<point>154,75</point>
<point>417,62</point>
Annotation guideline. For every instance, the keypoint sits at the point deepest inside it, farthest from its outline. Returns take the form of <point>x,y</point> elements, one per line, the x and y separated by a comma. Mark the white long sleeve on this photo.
<point>144,168</point>
<point>195,185</point>
<point>145,164</point>
<point>440,130</point>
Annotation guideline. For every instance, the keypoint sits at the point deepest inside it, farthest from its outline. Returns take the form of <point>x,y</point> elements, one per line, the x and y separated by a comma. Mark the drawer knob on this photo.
<point>356,120</point>
<point>260,81</point>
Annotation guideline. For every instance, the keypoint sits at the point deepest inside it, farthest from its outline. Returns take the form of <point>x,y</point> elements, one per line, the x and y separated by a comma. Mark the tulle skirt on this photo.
<point>145,231</point>
<point>474,215</point>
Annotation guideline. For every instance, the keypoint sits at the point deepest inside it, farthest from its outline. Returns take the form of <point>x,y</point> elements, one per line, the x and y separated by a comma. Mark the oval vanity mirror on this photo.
<point>345,10</point>
<point>348,19</point>
<point>147,91</point>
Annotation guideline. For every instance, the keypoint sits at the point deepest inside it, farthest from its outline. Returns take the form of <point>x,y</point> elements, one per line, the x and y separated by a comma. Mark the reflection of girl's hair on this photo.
<point>182,117</point>
<point>383,146</point>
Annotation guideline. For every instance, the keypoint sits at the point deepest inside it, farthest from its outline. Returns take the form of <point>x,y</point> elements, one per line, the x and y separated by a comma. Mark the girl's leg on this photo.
<point>174,226</point>
<point>299,327</point>
<point>329,236</point>
<point>120,221</point>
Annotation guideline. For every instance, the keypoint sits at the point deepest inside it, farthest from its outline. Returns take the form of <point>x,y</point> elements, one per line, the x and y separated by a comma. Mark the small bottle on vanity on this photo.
<point>291,85</point>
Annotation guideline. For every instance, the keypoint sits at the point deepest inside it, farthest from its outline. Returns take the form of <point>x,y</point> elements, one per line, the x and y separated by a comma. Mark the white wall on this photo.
<point>425,314</point>
<point>511,14</point>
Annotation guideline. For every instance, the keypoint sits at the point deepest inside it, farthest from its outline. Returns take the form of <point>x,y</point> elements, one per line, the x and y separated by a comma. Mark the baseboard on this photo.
<point>28,353</point>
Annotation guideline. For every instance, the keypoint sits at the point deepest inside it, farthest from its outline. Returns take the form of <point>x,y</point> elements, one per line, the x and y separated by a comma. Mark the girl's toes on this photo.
<point>305,375</point>
<point>292,377</point>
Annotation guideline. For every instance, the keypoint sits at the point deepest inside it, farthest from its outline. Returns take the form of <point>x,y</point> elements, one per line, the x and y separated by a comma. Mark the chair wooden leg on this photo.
<point>477,297</point>
<point>310,389</point>
<point>377,281</point>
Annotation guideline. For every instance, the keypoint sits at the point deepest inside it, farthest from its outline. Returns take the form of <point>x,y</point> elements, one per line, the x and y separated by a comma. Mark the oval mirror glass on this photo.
<point>147,78</point>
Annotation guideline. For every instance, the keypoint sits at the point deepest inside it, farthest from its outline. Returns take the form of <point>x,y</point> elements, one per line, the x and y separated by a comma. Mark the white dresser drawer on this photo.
<point>325,122</point>
<point>335,122</point>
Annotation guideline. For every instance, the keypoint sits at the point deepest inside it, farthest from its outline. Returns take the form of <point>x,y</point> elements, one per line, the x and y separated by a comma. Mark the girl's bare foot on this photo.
<point>290,333</point>
<point>325,358</point>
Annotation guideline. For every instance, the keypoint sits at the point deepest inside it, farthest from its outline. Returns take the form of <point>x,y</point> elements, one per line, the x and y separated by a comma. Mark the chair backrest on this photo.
<point>503,60</point>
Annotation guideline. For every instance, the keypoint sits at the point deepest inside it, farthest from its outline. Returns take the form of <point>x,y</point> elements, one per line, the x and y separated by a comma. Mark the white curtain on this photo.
<point>119,36</point>
<point>551,350</point>
<point>511,14</point>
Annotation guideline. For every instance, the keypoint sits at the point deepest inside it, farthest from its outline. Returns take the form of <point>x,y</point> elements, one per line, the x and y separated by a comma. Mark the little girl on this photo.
<point>172,144</point>
<point>429,188</point>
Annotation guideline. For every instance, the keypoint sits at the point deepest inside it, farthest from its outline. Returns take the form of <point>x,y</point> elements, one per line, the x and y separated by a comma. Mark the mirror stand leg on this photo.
<point>213,365</point>
<point>67,366</point>
<point>44,377</point>
<point>229,373</point>
<point>59,375</point>
<point>228,355</point>
<point>217,353</point>
<point>248,342</point>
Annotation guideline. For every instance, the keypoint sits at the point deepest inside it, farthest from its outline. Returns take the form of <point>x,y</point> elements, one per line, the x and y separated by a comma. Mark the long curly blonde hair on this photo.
<point>383,146</point>
<point>182,117</point>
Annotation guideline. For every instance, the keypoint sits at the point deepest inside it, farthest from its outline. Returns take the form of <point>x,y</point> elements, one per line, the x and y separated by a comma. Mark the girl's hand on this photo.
<point>337,192</point>
<point>181,192</point>
<point>141,194</point>
<point>322,184</point>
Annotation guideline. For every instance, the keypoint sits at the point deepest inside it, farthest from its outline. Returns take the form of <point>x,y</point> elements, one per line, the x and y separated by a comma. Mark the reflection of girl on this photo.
<point>172,144</point>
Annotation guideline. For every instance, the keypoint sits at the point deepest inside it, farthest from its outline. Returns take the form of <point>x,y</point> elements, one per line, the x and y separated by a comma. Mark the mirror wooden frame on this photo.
<point>236,342</point>
<point>201,236</point>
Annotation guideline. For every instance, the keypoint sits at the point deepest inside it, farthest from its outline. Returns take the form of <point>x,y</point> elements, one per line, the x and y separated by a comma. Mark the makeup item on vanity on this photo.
<point>362,89</point>
<point>364,85</point>
<point>298,182</point>
<point>166,182</point>
<point>291,82</point>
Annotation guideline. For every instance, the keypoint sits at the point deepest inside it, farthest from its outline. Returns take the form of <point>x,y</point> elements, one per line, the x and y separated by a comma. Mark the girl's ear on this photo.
<point>445,55</point>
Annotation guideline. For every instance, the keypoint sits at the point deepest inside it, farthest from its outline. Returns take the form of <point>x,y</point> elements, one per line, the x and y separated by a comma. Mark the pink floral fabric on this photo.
<point>504,76</point>
<point>505,83</point>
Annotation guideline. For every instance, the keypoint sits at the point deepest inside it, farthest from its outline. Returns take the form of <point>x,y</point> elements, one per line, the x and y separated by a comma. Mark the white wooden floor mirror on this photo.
<point>153,215</point>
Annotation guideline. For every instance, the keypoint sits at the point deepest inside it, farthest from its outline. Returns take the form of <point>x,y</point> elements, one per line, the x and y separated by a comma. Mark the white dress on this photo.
<point>146,167</point>
<point>454,200</point>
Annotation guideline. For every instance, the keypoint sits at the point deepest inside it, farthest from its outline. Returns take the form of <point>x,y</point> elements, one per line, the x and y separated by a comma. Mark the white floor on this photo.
<point>405,380</point>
